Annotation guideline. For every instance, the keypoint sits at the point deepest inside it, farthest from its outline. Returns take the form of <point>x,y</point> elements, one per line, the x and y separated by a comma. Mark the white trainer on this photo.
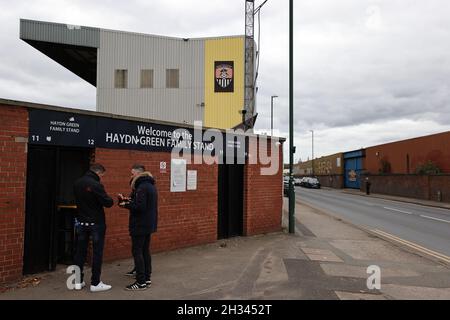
<point>79,286</point>
<point>100,287</point>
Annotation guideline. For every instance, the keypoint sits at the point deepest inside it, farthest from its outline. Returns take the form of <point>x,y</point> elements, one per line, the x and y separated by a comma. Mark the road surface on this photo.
<point>423,226</point>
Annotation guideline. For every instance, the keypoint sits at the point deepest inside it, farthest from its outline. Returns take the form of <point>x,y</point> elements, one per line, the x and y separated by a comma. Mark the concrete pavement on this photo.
<point>326,259</point>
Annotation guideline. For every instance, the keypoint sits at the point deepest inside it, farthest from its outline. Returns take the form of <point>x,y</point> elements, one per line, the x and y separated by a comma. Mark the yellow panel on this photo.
<point>222,108</point>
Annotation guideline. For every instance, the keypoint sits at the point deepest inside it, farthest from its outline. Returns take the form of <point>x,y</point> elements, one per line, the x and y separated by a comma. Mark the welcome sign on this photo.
<point>70,129</point>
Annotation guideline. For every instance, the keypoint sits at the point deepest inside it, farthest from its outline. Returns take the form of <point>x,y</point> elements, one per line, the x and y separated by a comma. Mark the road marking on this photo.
<point>413,245</point>
<point>397,210</point>
<point>428,217</point>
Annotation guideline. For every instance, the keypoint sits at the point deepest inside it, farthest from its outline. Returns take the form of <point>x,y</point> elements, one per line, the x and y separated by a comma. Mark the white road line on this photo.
<point>428,217</point>
<point>397,210</point>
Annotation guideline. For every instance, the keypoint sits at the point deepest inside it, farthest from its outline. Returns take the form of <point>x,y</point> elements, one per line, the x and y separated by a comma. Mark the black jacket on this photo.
<point>143,206</point>
<point>91,197</point>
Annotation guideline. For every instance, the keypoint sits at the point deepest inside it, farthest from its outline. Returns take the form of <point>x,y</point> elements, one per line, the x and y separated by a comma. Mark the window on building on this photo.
<point>172,78</point>
<point>121,78</point>
<point>147,78</point>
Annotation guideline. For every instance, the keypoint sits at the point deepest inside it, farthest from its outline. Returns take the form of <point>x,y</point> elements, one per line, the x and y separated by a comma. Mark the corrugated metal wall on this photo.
<point>59,33</point>
<point>194,100</point>
<point>119,50</point>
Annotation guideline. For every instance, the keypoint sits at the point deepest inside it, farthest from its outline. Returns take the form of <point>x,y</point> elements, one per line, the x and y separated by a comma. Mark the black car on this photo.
<point>309,182</point>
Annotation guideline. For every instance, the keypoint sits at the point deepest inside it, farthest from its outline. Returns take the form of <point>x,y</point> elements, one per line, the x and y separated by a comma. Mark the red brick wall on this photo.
<point>187,218</point>
<point>332,181</point>
<point>424,187</point>
<point>434,147</point>
<point>13,159</point>
<point>184,219</point>
<point>439,183</point>
<point>263,198</point>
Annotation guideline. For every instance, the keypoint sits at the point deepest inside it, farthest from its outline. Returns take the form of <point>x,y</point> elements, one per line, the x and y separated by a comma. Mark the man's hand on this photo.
<point>123,200</point>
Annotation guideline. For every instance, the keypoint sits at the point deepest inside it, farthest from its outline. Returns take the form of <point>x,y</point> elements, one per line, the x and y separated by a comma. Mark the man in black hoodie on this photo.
<point>143,206</point>
<point>91,197</point>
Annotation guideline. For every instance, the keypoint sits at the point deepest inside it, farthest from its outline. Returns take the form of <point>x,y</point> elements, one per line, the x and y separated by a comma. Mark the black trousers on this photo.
<point>142,258</point>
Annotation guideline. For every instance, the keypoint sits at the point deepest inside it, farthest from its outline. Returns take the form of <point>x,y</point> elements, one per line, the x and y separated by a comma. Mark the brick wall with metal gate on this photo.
<point>185,219</point>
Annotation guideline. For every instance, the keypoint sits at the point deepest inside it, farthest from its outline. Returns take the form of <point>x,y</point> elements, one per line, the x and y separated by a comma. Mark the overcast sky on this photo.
<point>366,72</point>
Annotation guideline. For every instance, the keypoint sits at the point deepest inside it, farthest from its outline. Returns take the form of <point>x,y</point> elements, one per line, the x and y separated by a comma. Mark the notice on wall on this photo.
<point>162,167</point>
<point>192,180</point>
<point>178,175</point>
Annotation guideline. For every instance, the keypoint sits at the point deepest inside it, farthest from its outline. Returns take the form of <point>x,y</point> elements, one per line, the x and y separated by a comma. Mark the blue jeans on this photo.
<point>97,233</point>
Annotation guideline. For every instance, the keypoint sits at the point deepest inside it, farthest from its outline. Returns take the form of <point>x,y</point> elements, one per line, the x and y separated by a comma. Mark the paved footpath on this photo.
<point>326,259</point>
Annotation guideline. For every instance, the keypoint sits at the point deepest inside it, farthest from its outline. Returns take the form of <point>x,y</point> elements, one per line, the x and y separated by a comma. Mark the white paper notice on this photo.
<point>178,175</point>
<point>192,180</point>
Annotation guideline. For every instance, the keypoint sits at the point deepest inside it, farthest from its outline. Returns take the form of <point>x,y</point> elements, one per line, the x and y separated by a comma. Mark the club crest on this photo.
<point>224,76</point>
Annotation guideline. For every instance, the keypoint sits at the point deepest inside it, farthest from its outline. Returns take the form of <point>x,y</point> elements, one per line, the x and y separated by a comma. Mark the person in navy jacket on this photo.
<point>143,221</point>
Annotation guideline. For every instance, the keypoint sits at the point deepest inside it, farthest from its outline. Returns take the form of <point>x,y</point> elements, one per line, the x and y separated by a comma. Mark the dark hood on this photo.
<point>92,174</point>
<point>144,176</point>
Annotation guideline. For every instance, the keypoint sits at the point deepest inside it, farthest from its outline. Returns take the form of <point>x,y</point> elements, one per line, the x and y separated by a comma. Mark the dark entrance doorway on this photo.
<point>50,205</point>
<point>230,200</point>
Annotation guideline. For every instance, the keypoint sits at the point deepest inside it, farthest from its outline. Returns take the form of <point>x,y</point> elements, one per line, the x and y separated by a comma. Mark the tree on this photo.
<point>428,167</point>
<point>385,166</point>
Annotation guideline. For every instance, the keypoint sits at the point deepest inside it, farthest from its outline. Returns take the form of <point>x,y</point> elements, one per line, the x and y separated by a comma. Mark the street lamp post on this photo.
<point>291,119</point>
<point>271,114</point>
<point>312,147</point>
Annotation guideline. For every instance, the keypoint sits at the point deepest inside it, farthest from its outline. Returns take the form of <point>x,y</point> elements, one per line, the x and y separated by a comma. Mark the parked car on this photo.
<point>297,181</point>
<point>286,188</point>
<point>303,181</point>
<point>309,182</point>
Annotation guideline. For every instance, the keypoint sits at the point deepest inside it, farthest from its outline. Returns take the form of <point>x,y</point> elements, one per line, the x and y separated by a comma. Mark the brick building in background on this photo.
<point>406,156</point>
<point>417,168</point>
<point>329,170</point>
<point>37,204</point>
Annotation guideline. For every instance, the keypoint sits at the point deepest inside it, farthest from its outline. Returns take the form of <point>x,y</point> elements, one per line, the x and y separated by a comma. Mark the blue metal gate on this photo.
<point>353,167</point>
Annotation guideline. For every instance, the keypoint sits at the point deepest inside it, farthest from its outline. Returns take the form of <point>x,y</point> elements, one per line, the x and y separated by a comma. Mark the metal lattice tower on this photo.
<point>249,99</point>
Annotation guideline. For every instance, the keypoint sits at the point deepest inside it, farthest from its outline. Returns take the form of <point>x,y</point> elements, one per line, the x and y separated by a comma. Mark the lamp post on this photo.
<point>312,147</point>
<point>291,119</point>
<point>271,114</point>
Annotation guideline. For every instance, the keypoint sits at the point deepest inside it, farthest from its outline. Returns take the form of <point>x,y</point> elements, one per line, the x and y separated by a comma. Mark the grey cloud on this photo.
<point>361,66</point>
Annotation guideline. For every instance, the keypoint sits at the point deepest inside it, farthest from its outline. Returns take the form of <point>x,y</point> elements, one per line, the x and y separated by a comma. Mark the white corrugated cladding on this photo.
<point>59,33</point>
<point>134,52</point>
